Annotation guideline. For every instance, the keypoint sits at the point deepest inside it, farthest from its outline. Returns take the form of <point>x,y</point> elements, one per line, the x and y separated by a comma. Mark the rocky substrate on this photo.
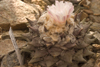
<point>15,16</point>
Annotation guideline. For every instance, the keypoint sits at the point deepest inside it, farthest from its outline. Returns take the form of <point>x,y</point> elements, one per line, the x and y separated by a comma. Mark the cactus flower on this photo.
<point>61,11</point>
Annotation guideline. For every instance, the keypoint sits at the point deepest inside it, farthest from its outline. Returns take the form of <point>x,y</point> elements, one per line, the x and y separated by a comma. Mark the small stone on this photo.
<point>83,15</point>
<point>88,11</point>
<point>96,14</point>
<point>94,18</point>
<point>95,4</point>
<point>88,2</point>
<point>95,27</point>
<point>96,46</point>
<point>86,6</point>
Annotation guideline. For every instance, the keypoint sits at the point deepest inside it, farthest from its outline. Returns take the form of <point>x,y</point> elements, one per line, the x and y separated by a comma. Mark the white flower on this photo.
<point>61,11</point>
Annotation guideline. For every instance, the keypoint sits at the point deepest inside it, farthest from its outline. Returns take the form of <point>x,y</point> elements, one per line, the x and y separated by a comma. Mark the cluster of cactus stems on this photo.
<point>55,40</point>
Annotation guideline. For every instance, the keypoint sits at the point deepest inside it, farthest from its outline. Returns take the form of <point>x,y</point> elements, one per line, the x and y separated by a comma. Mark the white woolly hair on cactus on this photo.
<point>61,11</point>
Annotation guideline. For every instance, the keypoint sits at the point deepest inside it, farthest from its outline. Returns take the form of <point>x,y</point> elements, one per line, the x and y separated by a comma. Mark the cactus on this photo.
<point>56,40</point>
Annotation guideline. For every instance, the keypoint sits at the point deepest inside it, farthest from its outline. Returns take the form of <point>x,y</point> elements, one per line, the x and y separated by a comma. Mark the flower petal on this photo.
<point>61,11</point>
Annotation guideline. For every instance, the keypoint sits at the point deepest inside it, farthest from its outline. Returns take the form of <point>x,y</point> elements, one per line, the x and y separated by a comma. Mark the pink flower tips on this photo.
<point>61,11</point>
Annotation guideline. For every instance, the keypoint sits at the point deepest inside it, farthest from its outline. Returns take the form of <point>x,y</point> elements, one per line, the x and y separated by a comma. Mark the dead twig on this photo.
<point>16,47</point>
